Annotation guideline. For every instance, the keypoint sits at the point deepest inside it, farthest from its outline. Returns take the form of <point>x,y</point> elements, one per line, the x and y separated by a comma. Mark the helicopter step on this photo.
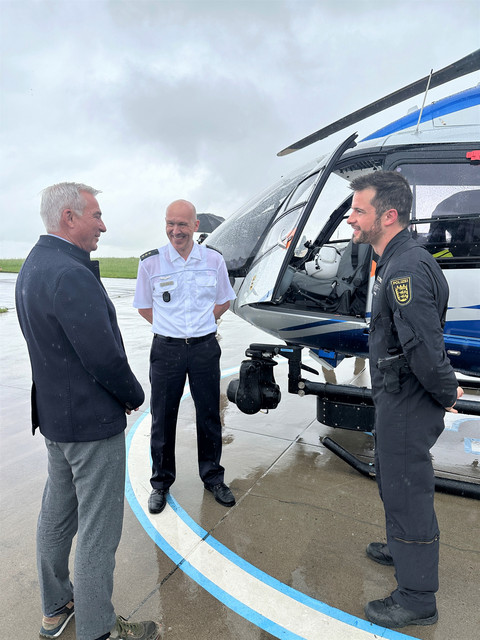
<point>443,485</point>
<point>350,407</point>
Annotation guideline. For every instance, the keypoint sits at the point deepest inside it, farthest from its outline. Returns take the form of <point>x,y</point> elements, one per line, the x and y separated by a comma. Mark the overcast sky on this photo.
<point>154,100</point>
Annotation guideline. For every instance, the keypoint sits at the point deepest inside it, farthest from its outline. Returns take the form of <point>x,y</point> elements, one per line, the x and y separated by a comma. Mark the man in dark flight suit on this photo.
<point>413,384</point>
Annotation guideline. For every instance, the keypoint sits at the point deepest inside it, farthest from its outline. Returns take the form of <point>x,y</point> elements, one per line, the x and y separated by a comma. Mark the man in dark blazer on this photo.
<point>82,388</point>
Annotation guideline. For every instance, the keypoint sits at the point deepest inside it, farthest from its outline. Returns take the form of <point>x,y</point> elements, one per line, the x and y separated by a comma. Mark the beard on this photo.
<point>368,236</point>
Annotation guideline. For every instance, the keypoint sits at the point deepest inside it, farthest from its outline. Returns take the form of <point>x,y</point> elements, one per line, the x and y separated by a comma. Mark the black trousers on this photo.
<point>170,363</point>
<point>407,426</point>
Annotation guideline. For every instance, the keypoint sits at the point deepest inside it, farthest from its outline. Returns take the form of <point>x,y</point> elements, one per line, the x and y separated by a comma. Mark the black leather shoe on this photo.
<point>157,500</point>
<point>386,613</point>
<point>380,553</point>
<point>221,493</point>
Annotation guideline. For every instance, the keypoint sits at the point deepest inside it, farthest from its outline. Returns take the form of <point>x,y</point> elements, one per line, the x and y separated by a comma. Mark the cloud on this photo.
<point>152,100</point>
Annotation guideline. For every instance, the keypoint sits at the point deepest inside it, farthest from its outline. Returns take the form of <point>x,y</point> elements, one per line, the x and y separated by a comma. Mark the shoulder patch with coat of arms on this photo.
<point>402,290</point>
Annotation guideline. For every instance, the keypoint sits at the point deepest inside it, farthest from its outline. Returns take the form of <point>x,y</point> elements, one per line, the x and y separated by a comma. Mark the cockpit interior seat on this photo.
<point>456,236</point>
<point>346,291</point>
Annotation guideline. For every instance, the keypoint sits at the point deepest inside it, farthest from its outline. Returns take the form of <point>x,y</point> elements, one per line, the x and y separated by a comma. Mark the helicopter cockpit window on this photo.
<point>446,211</point>
<point>283,228</point>
<point>300,195</point>
<point>241,234</point>
<point>334,192</point>
<point>328,272</point>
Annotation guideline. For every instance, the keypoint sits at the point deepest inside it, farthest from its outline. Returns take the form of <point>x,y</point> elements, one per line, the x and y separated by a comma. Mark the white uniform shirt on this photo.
<point>182,293</point>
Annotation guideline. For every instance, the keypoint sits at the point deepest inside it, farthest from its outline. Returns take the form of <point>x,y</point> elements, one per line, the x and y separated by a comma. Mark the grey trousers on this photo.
<point>84,495</point>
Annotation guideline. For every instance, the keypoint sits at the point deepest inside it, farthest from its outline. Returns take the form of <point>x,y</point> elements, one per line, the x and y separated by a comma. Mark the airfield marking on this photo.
<point>472,445</point>
<point>258,597</point>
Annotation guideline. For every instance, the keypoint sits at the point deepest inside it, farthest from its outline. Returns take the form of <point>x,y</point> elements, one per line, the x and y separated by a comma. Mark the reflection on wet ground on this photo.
<point>303,516</point>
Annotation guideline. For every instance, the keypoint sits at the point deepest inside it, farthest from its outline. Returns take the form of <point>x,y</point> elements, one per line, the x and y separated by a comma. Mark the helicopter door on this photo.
<point>276,251</point>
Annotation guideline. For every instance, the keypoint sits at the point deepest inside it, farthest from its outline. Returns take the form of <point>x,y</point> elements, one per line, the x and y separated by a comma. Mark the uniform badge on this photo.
<point>402,290</point>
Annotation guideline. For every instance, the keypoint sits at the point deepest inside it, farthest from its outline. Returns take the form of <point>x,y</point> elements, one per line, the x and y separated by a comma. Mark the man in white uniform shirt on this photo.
<point>182,290</point>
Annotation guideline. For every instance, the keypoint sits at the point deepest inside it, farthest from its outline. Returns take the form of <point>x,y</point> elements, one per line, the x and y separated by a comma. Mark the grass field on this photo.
<point>118,267</point>
<point>109,267</point>
<point>11,266</point>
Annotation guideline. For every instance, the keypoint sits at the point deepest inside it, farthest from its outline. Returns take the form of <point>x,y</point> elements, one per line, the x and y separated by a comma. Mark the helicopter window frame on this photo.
<point>263,207</point>
<point>271,238</point>
<point>303,188</point>
<point>323,224</point>
<point>267,273</point>
<point>281,240</point>
<point>449,252</point>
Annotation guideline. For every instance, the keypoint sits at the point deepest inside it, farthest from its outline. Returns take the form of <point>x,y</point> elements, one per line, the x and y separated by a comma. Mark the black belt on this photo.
<point>183,340</point>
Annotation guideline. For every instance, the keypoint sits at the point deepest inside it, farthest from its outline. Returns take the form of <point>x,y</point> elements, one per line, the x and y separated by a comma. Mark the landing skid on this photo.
<point>442,485</point>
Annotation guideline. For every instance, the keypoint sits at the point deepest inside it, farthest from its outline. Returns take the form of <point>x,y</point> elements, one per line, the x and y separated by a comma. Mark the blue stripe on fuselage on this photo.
<point>309,325</point>
<point>457,102</point>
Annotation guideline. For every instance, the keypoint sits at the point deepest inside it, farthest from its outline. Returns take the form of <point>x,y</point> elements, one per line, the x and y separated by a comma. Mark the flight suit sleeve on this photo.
<point>411,296</point>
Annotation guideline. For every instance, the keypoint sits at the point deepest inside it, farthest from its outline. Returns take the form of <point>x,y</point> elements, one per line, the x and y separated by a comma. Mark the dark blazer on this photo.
<point>82,382</point>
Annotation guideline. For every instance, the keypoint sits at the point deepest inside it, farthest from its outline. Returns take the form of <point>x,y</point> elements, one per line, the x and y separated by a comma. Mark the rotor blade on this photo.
<point>456,70</point>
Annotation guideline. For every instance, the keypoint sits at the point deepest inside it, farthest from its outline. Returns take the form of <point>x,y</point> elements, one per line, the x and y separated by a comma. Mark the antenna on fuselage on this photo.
<point>424,100</point>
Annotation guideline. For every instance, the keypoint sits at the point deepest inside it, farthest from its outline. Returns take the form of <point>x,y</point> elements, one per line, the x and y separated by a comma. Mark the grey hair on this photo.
<point>58,197</point>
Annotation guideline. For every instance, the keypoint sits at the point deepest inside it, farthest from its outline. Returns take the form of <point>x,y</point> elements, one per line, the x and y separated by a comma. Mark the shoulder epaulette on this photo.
<point>147,254</point>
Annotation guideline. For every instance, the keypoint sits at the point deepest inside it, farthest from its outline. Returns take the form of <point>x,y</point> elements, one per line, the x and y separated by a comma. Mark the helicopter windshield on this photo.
<point>239,237</point>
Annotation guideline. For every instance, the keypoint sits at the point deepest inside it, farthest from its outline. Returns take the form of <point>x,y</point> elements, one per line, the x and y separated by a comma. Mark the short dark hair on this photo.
<point>392,192</point>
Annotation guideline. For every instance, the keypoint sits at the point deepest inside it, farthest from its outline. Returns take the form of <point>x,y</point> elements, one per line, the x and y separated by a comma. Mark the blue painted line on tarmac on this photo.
<point>199,578</point>
<point>233,603</point>
<point>298,596</point>
<point>472,445</point>
<point>456,425</point>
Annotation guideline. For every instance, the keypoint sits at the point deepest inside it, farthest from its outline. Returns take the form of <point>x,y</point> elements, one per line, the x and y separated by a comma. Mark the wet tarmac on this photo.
<point>288,561</point>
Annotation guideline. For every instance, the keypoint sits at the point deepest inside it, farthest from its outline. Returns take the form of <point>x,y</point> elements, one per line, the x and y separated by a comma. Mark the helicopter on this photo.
<point>299,277</point>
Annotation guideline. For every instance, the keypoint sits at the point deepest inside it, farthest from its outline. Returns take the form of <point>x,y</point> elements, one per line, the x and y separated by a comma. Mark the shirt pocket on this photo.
<point>163,289</point>
<point>206,285</point>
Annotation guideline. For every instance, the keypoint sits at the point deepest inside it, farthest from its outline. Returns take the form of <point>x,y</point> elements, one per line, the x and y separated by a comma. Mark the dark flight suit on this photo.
<point>410,298</point>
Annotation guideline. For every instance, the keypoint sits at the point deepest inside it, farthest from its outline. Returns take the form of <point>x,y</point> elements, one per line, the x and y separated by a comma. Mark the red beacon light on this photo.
<point>474,156</point>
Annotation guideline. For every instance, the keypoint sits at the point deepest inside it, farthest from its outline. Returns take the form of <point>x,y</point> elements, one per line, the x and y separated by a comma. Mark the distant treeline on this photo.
<point>109,267</point>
